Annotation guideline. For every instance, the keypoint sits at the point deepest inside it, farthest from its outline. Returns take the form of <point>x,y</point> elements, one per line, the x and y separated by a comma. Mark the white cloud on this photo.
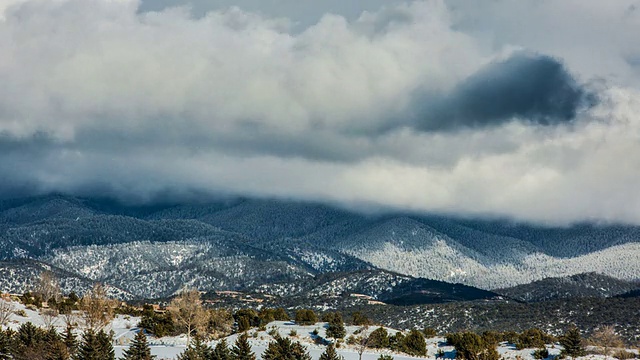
<point>97,95</point>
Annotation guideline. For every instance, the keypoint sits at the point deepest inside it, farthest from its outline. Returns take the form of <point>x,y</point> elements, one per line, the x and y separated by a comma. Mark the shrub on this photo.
<point>624,355</point>
<point>352,340</point>
<point>531,338</point>
<point>385,357</point>
<point>379,338</point>
<point>358,318</point>
<point>396,342</point>
<point>306,317</point>
<point>430,332</point>
<point>541,353</point>
<point>414,343</point>
<point>471,346</point>
<point>293,333</point>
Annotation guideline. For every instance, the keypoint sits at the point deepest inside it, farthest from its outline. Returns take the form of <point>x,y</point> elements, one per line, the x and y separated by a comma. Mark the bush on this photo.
<point>306,317</point>
<point>379,338</point>
<point>359,319</point>
<point>385,357</point>
<point>491,338</point>
<point>396,342</point>
<point>531,338</point>
<point>414,343</point>
<point>352,340</point>
<point>293,333</point>
<point>430,332</point>
<point>246,319</point>
<point>624,355</point>
<point>510,337</point>
<point>157,324</point>
<point>471,346</point>
<point>540,354</point>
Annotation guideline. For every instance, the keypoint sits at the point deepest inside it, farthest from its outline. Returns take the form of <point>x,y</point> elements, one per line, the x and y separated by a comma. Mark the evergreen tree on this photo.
<point>58,351</point>
<point>139,349</point>
<point>95,346</point>
<point>284,349</point>
<point>336,327</point>
<point>471,346</point>
<point>572,343</point>
<point>243,324</point>
<point>331,354</point>
<point>415,344</point>
<point>306,317</point>
<point>106,346</point>
<point>70,340</point>
<point>197,350</point>
<point>241,349</point>
<point>221,351</point>
<point>88,347</point>
<point>28,335</point>
<point>5,345</point>
<point>379,338</point>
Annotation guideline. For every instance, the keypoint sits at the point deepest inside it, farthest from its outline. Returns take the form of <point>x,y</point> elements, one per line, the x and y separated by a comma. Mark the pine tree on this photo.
<point>415,344</point>
<point>139,349</point>
<point>221,351</point>
<point>88,347</point>
<point>336,327</point>
<point>198,350</point>
<point>106,346</point>
<point>70,340</point>
<point>5,345</point>
<point>242,350</point>
<point>379,338</point>
<point>95,346</point>
<point>572,343</point>
<point>284,349</point>
<point>58,351</point>
<point>331,354</point>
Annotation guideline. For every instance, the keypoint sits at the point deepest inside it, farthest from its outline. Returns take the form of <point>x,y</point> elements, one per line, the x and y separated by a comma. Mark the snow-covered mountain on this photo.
<point>152,251</point>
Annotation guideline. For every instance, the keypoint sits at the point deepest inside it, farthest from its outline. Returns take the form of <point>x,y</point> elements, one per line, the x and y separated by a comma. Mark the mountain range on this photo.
<point>250,244</point>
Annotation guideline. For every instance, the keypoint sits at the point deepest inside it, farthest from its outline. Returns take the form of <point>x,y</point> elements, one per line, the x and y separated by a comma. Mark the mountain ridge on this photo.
<point>299,239</point>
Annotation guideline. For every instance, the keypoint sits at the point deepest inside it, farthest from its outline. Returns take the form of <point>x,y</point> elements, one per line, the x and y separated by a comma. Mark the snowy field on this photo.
<point>167,348</point>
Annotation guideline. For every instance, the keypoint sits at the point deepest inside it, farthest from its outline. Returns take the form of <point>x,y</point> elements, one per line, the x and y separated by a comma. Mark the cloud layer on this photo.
<point>411,106</point>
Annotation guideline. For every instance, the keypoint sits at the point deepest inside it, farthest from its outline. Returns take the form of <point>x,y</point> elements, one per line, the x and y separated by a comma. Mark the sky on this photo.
<point>527,109</point>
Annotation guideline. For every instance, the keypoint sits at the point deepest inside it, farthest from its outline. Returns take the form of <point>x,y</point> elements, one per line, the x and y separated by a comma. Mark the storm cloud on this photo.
<point>534,88</point>
<point>410,106</point>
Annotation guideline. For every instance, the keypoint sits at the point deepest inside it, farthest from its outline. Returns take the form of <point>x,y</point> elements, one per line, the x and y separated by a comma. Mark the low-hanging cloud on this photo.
<point>403,107</point>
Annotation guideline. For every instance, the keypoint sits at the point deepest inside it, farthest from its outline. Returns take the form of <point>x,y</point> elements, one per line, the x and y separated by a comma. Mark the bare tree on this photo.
<point>364,341</point>
<point>188,312</point>
<point>70,319</point>
<point>607,339</point>
<point>97,308</point>
<point>48,286</point>
<point>6,309</point>
<point>49,317</point>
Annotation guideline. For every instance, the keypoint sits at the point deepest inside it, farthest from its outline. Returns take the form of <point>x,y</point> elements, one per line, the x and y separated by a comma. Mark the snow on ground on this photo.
<point>167,348</point>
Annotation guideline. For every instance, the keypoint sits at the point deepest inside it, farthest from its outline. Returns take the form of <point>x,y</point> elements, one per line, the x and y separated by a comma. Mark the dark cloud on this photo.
<point>534,88</point>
